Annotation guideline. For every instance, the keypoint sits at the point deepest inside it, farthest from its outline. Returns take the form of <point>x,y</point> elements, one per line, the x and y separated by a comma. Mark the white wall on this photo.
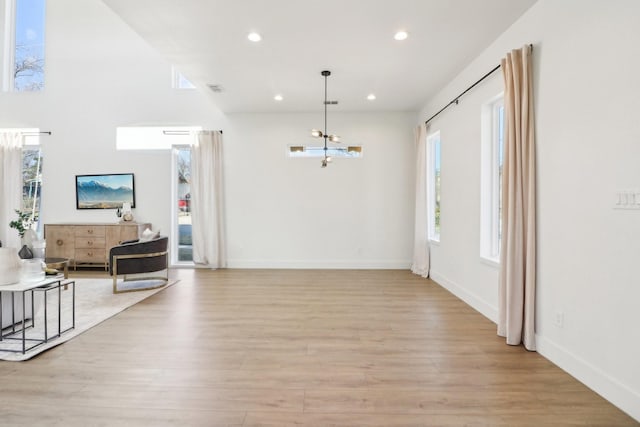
<point>587,63</point>
<point>289,212</point>
<point>101,75</point>
<point>281,212</point>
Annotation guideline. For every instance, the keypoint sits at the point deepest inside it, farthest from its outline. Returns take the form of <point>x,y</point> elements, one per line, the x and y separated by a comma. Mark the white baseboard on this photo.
<point>479,304</point>
<point>606,386</point>
<point>324,264</point>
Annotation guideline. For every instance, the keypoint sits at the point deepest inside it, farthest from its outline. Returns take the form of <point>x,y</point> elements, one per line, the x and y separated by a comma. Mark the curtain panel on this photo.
<point>517,283</point>
<point>421,261</point>
<point>207,201</point>
<point>10,185</point>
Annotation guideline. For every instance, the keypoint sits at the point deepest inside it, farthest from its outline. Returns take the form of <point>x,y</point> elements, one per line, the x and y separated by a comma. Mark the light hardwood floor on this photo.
<point>296,347</point>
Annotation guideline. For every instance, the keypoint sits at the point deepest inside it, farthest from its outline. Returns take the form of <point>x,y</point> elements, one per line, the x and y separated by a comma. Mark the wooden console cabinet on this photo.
<point>88,244</point>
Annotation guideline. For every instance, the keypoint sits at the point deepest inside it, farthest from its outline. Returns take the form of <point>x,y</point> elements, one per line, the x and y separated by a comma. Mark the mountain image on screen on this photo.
<point>93,194</point>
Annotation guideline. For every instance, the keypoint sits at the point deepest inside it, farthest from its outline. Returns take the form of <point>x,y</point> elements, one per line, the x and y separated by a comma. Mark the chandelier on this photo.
<point>318,133</point>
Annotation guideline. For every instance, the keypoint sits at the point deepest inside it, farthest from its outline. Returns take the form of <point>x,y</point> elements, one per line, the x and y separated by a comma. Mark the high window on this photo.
<point>24,45</point>
<point>32,178</point>
<point>433,174</point>
<point>179,81</point>
<point>491,178</point>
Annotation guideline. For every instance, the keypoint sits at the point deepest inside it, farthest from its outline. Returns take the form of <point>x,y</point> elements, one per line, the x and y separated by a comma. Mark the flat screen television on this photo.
<point>107,191</point>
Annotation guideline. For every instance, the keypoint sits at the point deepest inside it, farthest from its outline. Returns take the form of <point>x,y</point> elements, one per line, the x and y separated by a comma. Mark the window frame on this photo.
<point>175,227</point>
<point>434,207</point>
<point>8,15</point>
<point>492,147</point>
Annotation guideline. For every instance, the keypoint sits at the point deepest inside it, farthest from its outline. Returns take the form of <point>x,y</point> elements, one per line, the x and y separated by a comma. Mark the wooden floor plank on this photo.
<point>296,348</point>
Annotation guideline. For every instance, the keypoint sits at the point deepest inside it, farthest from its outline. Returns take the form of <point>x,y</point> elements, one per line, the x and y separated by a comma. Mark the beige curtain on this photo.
<point>516,311</point>
<point>10,185</point>
<point>207,200</point>
<point>421,262</point>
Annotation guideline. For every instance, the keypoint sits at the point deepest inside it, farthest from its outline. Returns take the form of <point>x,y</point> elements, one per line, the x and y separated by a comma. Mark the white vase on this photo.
<point>29,237</point>
<point>32,270</point>
<point>9,266</point>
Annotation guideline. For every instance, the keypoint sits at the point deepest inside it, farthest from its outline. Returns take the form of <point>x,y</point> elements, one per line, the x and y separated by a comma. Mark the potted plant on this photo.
<point>23,225</point>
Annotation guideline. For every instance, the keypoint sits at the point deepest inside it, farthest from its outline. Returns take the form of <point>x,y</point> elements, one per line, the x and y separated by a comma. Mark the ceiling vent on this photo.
<point>215,88</point>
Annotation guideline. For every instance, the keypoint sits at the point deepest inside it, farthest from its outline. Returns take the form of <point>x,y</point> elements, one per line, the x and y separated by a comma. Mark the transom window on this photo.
<point>24,51</point>
<point>353,151</point>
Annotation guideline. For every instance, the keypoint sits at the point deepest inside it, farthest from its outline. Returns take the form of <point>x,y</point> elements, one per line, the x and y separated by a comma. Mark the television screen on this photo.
<point>107,191</point>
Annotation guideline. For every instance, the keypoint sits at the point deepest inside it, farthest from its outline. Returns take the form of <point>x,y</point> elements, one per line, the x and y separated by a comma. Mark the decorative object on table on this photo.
<point>38,248</point>
<point>127,215</point>
<point>25,252</point>
<point>316,133</point>
<point>23,224</point>
<point>108,191</point>
<point>32,270</point>
<point>9,266</point>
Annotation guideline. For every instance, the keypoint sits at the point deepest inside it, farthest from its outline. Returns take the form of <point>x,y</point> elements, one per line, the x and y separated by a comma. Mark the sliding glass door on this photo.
<point>182,252</point>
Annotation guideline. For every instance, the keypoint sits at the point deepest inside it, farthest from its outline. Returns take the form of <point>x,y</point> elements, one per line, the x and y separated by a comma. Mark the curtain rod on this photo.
<point>457,98</point>
<point>36,133</point>
<point>179,132</point>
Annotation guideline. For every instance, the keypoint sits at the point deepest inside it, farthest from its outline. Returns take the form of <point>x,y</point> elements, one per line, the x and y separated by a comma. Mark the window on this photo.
<point>24,42</point>
<point>353,151</point>
<point>153,137</point>
<point>182,175</point>
<point>31,177</point>
<point>180,81</point>
<point>491,178</point>
<point>433,174</point>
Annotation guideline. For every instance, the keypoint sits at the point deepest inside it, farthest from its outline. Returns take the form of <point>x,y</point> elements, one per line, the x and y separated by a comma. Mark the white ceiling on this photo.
<point>207,41</point>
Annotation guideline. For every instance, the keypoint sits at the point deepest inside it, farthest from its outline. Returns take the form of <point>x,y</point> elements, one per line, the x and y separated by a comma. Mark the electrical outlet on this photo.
<point>559,319</point>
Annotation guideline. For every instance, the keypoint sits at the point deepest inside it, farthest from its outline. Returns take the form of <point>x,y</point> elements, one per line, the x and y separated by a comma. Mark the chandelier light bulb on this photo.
<point>401,35</point>
<point>316,133</point>
<point>254,37</point>
<point>334,138</point>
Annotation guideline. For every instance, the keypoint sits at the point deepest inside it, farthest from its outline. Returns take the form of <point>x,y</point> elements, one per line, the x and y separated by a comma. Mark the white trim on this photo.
<point>493,262</point>
<point>605,385</point>
<point>8,47</point>
<point>474,301</point>
<point>489,180</point>
<point>432,139</point>
<point>174,250</point>
<point>610,388</point>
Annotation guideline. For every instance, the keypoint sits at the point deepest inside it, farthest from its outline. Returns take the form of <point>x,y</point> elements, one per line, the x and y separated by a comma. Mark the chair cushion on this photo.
<point>148,235</point>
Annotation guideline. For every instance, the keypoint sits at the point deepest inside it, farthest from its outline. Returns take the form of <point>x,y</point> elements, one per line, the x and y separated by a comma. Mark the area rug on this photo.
<point>95,303</point>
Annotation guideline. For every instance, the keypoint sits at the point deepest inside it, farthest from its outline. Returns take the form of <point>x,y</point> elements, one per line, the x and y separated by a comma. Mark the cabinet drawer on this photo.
<point>90,230</point>
<point>94,256</point>
<point>90,242</point>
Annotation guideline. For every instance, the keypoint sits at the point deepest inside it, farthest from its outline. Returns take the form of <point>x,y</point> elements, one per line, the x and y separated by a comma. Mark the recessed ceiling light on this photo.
<point>371,97</point>
<point>254,37</point>
<point>278,97</point>
<point>401,35</point>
